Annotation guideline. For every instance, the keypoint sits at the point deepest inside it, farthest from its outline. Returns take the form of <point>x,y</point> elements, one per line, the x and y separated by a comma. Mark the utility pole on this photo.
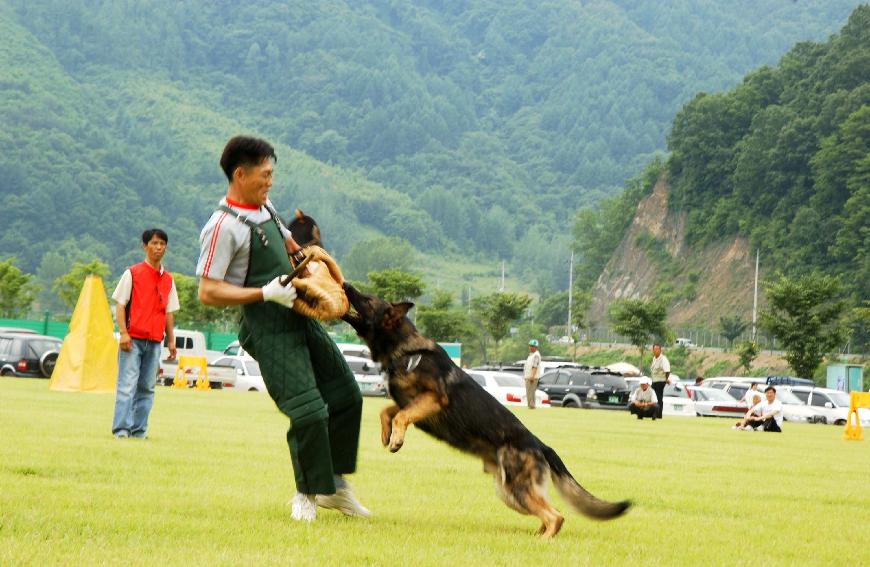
<point>570,292</point>
<point>755,296</point>
<point>501,287</point>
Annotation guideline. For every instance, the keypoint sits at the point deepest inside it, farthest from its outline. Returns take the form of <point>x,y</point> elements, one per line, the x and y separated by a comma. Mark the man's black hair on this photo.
<point>151,233</point>
<point>770,388</point>
<point>245,151</point>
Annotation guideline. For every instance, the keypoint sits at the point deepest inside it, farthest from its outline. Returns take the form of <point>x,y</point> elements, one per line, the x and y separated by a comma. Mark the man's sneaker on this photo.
<point>344,501</point>
<point>304,508</point>
<point>122,434</point>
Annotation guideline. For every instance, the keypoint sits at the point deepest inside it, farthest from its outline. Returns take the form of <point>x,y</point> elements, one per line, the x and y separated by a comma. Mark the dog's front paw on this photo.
<point>396,441</point>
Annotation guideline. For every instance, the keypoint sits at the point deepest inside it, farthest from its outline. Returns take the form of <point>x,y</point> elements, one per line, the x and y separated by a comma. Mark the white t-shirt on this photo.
<point>764,408</point>
<point>225,244</point>
<point>639,395</point>
<point>125,289</point>
<point>747,397</point>
<point>533,361</point>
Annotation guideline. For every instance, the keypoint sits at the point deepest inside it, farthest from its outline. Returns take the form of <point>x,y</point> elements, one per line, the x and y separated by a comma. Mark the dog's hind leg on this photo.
<point>387,415</point>
<point>423,406</point>
<point>521,484</point>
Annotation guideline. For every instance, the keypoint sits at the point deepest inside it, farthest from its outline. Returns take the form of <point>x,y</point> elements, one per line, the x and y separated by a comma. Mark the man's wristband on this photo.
<point>297,257</point>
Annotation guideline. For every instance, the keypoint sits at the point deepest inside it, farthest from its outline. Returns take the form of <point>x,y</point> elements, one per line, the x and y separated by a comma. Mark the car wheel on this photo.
<point>47,362</point>
<point>6,372</point>
<point>840,422</point>
<point>569,404</point>
<point>252,389</point>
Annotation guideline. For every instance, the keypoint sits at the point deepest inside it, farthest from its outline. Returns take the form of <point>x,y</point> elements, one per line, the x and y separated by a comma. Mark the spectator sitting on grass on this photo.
<point>643,401</point>
<point>765,415</point>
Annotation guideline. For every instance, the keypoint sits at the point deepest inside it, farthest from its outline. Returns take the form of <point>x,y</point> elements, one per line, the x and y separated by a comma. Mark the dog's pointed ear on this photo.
<point>401,309</point>
<point>299,215</point>
<point>395,312</point>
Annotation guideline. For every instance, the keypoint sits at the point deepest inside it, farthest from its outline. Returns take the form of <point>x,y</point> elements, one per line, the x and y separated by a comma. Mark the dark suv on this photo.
<point>28,354</point>
<point>576,388</point>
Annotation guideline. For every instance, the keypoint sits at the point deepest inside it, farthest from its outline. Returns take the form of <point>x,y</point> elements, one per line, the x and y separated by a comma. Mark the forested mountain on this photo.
<point>779,164</point>
<point>454,125</point>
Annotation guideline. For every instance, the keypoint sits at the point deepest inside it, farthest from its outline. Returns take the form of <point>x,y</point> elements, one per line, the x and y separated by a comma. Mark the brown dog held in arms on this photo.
<point>436,395</point>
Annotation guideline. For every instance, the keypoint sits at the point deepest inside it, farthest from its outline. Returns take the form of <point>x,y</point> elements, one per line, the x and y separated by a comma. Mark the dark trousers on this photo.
<point>649,411</point>
<point>659,389</point>
<point>769,424</point>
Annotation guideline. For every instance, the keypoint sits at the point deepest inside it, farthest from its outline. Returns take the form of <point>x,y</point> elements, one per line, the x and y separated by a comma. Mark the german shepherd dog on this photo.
<point>442,400</point>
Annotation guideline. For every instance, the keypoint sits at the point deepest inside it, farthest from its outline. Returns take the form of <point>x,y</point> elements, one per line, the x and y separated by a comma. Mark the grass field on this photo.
<point>211,485</point>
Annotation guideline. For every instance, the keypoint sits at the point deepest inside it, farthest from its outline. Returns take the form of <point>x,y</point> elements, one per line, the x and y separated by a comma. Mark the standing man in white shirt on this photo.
<point>765,415</point>
<point>530,372</point>
<point>660,371</point>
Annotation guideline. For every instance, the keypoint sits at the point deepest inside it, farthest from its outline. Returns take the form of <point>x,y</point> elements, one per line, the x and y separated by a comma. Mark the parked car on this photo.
<point>28,354</point>
<point>577,387</point>
<point>369,377</point>
<point>833,404</point>
<point>347,349</point>
<point>678,400</point>
<point>509,368</point>
<point>794,409</point>
<point>191,343</point>
<point>248,375</point>
<point>684,342</point>
<point>507,388</point>
<point>714,402</point>
<point>789,381</point>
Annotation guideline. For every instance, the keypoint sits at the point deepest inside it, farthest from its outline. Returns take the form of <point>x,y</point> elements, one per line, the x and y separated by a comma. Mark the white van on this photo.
<point>684,342</point>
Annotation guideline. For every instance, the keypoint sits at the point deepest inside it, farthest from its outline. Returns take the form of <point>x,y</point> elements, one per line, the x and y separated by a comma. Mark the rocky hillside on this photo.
<point>653,258</point>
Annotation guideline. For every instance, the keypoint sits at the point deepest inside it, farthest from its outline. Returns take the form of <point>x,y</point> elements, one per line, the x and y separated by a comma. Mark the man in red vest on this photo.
<point>146,299</point>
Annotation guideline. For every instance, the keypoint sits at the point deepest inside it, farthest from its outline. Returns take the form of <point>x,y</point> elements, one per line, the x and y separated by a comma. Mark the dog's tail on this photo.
<point>576,495</point>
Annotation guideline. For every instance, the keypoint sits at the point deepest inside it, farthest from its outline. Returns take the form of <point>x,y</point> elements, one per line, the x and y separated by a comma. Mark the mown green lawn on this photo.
<point>211,486</point>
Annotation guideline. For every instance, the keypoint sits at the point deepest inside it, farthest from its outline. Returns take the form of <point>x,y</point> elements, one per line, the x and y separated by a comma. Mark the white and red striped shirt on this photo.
<point>225,243</point>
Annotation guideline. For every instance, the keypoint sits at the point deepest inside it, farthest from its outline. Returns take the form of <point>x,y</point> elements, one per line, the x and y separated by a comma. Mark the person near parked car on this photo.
<point>146,299</point>
<point>245,250</point>
<point>765,415</point>
<point>530,372</point>
<point>660,371</point>
<point>751,394</point>
<point>643,401</point>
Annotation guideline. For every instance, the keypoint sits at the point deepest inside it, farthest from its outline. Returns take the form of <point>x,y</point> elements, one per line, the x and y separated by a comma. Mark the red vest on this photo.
<point>146,311</point>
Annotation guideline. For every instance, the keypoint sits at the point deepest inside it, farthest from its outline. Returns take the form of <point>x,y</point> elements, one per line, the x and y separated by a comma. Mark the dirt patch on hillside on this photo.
<point>706,283</point>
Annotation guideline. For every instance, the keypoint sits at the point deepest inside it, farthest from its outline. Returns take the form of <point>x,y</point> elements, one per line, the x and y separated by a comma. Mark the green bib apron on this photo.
<point>304,372</point>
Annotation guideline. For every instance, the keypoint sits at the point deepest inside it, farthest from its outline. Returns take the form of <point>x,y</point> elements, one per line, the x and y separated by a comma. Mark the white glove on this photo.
<point>283,295</point>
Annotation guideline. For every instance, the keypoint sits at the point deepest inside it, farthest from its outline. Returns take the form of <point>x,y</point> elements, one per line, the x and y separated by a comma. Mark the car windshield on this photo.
<point>252,367</point>
<point>713,395</point>
<point>840,399</point>
<point>789,398</point>
<point>509,380</point>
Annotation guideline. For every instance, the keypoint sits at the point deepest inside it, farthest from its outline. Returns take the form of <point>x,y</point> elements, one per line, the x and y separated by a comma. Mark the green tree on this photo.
<point>440,321</point>
<point>375,255</point>
<point>497,311</point>
<point>747,351</point>
<point>68,287</point>
<point>395,285</point>
<point>731,327</point>
<point>805,315</point>
<point>17,291</point>
<point>639,320</point>
<point>553,310</point>
<point>192,313</point>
